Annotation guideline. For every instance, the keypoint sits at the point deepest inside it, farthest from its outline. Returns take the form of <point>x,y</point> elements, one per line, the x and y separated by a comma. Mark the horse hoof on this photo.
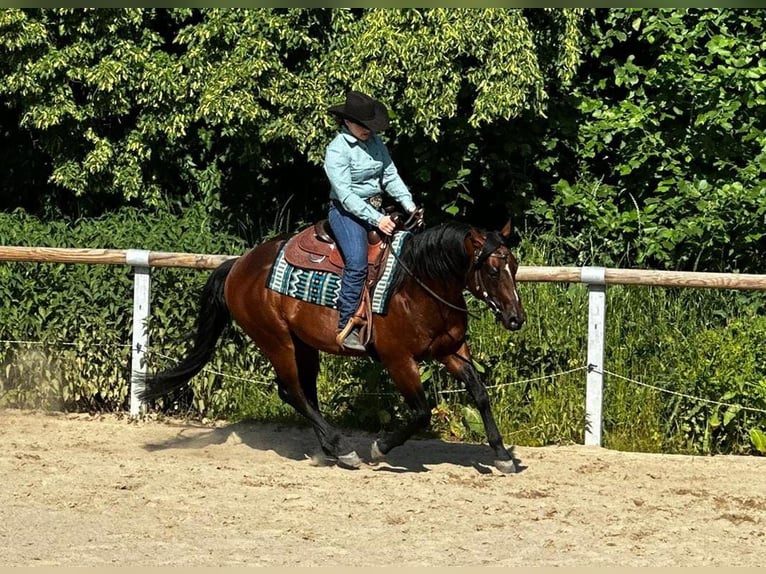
<point>376,455</point>
<point>320,460</point>
<point>350,460</point>
<point>506,466</point>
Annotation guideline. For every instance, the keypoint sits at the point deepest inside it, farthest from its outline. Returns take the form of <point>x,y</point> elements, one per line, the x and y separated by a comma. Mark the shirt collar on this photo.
<point>352,140</point>
<point>348,136</point>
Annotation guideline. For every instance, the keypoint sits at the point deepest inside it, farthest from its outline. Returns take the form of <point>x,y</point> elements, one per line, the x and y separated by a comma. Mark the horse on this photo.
<point>426,318</point>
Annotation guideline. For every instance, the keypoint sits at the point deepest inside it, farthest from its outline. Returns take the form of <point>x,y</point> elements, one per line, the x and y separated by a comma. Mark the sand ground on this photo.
<point>105,490</point>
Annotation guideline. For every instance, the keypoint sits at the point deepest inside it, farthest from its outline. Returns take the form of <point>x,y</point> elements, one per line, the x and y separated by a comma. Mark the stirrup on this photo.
<point>343,334</point>
<point>352,342</point>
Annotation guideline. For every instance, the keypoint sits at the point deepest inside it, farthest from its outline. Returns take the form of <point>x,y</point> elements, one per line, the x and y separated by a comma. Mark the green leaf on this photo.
<point>472,420</point>
<point>758,440</point>
<point>729,415</point>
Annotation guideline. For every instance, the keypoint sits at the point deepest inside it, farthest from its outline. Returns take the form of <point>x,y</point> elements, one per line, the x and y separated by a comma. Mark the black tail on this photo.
<point>212,320</point>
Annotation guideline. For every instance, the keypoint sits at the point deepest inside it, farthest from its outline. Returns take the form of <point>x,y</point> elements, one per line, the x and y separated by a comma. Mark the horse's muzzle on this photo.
<point>512,319</point>
<point>512,322</point>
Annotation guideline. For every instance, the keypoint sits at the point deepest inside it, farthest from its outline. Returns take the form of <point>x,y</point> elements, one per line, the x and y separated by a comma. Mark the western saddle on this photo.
<point>315,248</point>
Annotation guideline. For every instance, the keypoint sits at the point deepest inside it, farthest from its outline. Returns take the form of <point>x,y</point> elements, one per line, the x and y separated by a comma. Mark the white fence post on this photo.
<point>139,259</point>
<point>594,278</point>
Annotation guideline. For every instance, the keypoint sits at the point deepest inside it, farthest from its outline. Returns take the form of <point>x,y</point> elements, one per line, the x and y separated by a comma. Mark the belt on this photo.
<point>375,201</point>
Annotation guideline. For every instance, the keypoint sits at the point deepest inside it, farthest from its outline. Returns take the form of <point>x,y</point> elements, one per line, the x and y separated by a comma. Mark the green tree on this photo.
<point>671,150</point>
<point>135,105</point>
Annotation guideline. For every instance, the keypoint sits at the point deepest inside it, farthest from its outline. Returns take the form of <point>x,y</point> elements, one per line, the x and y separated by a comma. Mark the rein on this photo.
<point>430,291</point>
<point>415,221</point>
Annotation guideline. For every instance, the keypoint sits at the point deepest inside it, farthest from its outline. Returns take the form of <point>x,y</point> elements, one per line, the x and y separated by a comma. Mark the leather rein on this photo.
<point>478,259</point>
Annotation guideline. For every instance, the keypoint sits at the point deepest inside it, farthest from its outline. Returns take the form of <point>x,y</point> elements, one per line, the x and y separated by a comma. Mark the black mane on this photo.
<point>438,253</point>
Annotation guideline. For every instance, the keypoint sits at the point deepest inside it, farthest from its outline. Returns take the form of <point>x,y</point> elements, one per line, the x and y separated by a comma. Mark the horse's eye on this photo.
<point>494,272</point>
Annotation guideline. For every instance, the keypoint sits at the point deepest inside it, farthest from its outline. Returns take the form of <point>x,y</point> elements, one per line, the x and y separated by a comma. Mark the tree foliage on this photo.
<point>634,134</point>
<point>671,148</point>
<point>133,105</point>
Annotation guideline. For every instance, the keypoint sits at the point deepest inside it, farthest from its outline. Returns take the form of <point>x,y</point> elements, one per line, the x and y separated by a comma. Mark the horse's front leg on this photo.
<point>459,364</point>
<point>404,372</point>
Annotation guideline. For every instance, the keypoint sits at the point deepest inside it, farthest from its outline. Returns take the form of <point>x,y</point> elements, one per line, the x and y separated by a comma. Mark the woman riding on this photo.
<point>360,171</point>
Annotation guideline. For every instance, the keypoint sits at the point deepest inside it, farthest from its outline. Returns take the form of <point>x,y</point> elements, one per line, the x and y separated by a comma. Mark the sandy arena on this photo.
<point>80,490</point>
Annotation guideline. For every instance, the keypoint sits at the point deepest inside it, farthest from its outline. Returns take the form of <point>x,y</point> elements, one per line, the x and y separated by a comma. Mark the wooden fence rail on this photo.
<point>596,278</point>
<point>530,274</point>
<point>109,257</point>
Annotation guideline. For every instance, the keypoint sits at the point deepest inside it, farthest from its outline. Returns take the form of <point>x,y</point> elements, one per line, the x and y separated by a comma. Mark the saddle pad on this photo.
<point>323,288</point>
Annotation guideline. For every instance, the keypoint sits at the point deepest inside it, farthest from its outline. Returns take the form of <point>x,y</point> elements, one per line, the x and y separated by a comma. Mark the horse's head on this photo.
<point>492,275</point>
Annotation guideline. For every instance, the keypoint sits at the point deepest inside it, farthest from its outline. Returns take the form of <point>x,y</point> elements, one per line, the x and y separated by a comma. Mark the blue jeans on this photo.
<point>351,236</point>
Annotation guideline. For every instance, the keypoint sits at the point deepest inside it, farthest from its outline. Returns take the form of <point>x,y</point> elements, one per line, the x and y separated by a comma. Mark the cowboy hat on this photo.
<point>364,110</point>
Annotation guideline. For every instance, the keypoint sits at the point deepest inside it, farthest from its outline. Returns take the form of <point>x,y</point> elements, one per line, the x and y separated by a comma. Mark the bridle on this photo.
<point>476,267</point>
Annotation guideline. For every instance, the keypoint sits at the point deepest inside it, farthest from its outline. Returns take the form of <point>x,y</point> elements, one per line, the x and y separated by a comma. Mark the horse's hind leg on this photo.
<point>307,358</point>
<point>297,366</point>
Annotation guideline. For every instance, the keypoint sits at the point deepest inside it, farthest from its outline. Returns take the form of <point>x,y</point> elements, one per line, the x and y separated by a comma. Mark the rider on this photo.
<point>360,170</point>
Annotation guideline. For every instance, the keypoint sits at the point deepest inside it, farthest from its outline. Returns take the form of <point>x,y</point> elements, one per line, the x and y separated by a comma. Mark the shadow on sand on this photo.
<point>300,444</point>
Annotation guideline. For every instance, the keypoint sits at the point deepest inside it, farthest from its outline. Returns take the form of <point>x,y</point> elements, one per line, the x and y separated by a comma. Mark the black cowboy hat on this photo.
<point>364,110</point>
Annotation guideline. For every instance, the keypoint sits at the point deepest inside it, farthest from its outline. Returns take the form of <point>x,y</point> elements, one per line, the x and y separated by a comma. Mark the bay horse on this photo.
<point>426,318</point>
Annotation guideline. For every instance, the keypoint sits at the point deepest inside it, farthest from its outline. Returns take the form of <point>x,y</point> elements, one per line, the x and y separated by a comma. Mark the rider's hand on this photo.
<point>417,213</point>
<point>387,225</point>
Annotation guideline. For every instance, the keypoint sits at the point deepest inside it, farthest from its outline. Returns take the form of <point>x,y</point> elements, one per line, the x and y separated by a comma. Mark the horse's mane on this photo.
<point>437,253</point>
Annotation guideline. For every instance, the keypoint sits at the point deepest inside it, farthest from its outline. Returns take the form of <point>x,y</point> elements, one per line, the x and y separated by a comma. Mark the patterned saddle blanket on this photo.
<point>309,270</point>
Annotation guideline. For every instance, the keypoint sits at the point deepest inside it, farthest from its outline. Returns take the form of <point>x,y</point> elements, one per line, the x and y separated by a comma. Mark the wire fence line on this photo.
<point>523,381</point>
<point>146,351</point>
<point>678,394</point>
<point>589,368</point>
<point>62,343</point>
<point>213,371</point>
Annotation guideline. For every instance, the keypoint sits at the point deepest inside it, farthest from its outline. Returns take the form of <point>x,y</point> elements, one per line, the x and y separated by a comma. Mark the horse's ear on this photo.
<point>476,239</point>
<point>506,231</point>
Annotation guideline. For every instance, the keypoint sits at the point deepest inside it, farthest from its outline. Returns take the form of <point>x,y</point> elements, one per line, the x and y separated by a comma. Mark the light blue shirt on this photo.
<point>358,170</point>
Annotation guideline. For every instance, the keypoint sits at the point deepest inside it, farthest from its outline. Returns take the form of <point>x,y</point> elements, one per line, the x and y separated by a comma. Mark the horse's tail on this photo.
<point>213,318</point>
